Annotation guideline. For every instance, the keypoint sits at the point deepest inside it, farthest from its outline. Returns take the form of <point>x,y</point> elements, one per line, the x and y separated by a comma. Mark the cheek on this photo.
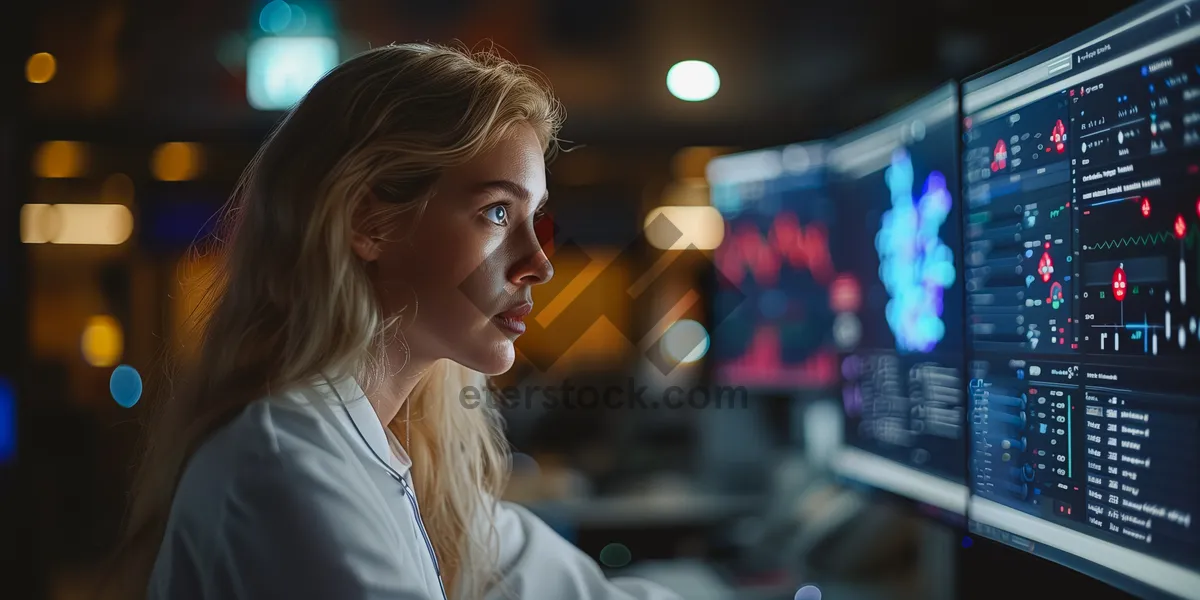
<point>460,265</point>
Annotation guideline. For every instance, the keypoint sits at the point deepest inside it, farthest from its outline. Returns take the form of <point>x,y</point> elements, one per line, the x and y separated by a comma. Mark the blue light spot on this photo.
<point>1146,71</point>
<point>275,16</point>
<point>1152,88</point>
<point>1068,258</point>
<point>967,542</point>
<point>915,265</point>
<point>125,385</point>
<point>1020,373</point>
<point>1029,254</point>
<point>8,422</point>
<point>1037,491</point>
<point>808,592</point>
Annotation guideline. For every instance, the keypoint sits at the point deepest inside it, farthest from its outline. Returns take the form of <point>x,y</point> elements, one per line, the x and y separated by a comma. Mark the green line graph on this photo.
<point>1151,239</point>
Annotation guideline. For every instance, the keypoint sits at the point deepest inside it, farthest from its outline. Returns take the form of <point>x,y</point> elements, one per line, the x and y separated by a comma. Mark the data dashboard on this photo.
<point>1081,169</point>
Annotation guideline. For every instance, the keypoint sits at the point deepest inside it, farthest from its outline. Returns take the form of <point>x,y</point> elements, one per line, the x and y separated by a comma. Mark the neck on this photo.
<point>389,395</point>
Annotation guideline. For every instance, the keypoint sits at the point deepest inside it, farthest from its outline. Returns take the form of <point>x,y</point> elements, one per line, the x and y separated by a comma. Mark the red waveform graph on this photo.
<point>787,243</point>
<point>762,364</point>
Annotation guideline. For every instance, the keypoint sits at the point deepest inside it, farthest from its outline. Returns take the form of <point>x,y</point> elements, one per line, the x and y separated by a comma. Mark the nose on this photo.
<point>533,267</point>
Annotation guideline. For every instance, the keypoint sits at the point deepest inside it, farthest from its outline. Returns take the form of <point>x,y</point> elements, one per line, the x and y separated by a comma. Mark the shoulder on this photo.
<point>276,451</point>
<point>270,433</point>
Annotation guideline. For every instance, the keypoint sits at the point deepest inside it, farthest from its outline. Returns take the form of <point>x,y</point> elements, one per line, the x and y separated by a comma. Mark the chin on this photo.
<point>496,359</point>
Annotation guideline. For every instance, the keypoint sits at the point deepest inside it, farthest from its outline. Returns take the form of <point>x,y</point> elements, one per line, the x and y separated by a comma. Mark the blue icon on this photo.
<point>1068,258</point>
<point>1020,373</point>
<point>1042,428</point>
<point>1146,71</point>
<point>1028,280</point>
<point>1067,278</point>
<point>1152,88</point>
<point>1037,491</point>
<point>1029,254</point>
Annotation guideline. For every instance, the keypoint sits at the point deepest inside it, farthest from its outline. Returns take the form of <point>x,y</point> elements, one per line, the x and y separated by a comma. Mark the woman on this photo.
<point>381,250</point>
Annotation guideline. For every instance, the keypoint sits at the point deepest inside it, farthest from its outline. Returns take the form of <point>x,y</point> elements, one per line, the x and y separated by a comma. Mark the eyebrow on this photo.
<point>511,188</point>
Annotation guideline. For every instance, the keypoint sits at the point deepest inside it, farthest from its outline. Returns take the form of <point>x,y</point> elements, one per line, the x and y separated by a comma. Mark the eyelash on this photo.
<point>507,206</point>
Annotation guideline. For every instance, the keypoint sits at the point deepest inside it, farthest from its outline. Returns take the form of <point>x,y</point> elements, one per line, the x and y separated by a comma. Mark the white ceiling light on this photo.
<point>693,80</point>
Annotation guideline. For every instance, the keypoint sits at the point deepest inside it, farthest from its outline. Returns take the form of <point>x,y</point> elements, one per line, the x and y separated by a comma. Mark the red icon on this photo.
<point>1072,92</point>
<point>1046,267</point>
<point>1198,207</point>
<point>1058,136</point>
<point>1118,283</point>
<point>1180,227</point>
<point>1145,207</point>
<point>999,156</point>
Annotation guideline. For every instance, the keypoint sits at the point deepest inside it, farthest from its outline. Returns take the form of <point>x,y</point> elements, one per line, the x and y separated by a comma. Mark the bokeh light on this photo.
<point>615,555</point>
<point>275,16</point>
<point>808,592</point>
<point>281,70</point>
<point>60,159</point>
<point>8,422</point>
<point>102,342</point>
<point>686,341</point>
<point>693,80</point>
<point>177,161</point>
<point>40,68</point>
<point>681,227</point>
<point>92,224</point>
<point>125,385</point>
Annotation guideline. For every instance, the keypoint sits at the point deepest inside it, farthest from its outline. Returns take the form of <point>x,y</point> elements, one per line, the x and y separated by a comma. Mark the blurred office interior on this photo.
<point>125,123</point>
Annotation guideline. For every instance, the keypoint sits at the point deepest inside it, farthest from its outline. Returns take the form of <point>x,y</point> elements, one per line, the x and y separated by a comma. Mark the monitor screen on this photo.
<point>898,243</point>
<point>1081,169</point>
<point>775,270</point>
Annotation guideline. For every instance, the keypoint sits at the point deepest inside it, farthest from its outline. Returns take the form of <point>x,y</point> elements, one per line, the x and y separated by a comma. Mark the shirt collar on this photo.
<point>360,423</point>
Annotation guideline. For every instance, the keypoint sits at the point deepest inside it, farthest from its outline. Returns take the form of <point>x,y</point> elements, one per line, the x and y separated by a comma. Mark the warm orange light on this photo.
<point>103,341</point>
<point>60,159</point>
<point>40,68</point>
<point>99,224</point>
<point>177,161</point>
<point>681,227</point>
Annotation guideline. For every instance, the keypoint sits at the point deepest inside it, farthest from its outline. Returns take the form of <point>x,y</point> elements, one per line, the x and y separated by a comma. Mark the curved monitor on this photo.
<point>1081,169</point>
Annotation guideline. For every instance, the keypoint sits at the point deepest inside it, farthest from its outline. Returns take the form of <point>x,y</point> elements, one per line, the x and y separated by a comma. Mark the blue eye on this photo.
<point>497,214</point>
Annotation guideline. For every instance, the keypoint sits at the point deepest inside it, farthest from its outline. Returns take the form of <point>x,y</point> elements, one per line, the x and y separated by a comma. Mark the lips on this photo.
<point>513,319</point>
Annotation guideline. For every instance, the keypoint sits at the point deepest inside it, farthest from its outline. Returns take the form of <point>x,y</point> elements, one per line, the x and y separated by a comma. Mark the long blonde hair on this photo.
<point>290,299</point>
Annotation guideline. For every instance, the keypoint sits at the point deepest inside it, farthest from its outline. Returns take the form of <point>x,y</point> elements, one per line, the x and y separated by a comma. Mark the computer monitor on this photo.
<point>774,270</point>
<point>898,245</point>
<point>1081,169</point>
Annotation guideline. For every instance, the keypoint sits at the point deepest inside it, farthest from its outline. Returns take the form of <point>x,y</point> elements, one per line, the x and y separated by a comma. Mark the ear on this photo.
<point>366,240</point>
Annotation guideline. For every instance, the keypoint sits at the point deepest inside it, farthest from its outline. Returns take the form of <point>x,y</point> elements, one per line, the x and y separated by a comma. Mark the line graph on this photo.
<point>787,244</point>
<point>1150,239</point>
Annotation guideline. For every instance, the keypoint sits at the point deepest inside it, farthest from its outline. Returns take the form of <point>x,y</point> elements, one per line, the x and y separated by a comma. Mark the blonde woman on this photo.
<point>379,256</point>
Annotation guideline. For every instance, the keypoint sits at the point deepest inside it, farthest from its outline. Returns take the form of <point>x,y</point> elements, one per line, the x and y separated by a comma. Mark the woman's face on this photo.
<point>471,260</point>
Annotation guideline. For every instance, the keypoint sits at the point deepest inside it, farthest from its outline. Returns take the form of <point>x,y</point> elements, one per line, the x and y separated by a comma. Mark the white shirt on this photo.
<point>289,501</point>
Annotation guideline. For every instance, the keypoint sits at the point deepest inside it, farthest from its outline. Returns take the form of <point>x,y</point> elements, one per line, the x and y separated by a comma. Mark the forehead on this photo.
<point>516,157</point>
